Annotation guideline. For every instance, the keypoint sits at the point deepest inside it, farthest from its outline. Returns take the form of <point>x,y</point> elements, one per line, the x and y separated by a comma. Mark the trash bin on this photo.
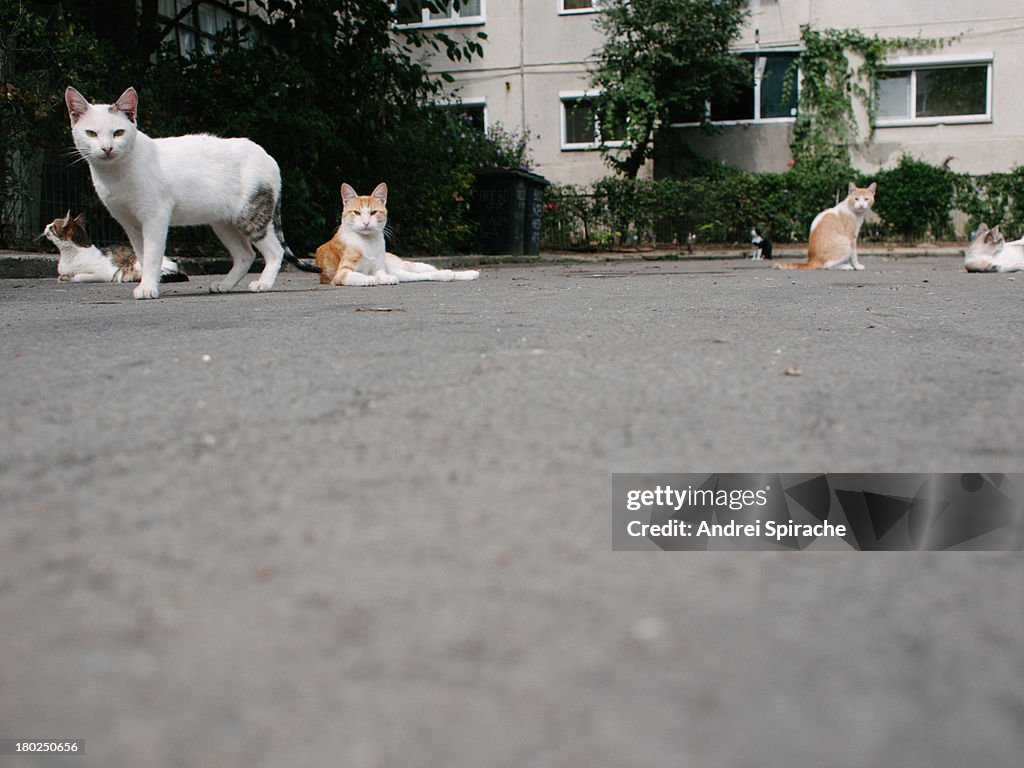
<point>507,208</point>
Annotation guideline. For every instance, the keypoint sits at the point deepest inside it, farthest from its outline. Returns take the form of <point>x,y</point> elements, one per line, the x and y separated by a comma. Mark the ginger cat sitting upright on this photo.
<point>833,241</point>
<point>357,255</point>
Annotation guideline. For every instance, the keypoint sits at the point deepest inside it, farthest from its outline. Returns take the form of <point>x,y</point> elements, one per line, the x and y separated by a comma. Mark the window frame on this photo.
<point>567,97</point>
<point>469,101</point>
<point>914,64</point>
<point>191,26</point>
<point>756,119</point>
<point>595,7</point>
<point>452,21</point>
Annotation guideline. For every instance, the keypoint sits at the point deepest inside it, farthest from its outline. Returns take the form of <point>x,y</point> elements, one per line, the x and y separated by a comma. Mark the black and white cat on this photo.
<point>82,262</point>
<point>149,185</point>
<point>762,245</point>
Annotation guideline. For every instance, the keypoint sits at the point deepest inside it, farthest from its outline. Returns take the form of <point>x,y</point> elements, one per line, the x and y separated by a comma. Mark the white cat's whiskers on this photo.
<point>77,157</point>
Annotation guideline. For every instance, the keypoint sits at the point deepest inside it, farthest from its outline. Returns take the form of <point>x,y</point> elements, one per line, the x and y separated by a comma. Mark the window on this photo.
<point>578,6</point>
<point>928,91</point>
<point>200,24</point>
<point>772,93</point>
<point>473,111</point>
<point>452,12</point>
<point>581,128</point>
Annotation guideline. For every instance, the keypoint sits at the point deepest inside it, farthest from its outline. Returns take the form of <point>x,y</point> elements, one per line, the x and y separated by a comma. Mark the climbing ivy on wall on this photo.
<point>826,126</point>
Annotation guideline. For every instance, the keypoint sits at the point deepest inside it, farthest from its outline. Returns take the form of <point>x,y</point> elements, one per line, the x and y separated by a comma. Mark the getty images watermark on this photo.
<point>890,511</point>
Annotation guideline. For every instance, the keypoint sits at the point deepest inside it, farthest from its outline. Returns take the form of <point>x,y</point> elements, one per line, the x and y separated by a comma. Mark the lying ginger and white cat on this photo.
<point>989,252</point>
<point>357,254</point>
<point>82,262</point>
<point>833,241</point>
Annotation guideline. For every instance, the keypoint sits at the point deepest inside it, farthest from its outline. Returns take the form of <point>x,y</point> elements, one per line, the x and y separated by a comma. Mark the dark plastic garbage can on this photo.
<point>507,207</point>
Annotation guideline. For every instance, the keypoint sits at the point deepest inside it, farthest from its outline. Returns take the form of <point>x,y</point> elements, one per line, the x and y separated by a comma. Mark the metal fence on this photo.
<point>583,222</point>
<point>587,221</point>
<point>66,186</point>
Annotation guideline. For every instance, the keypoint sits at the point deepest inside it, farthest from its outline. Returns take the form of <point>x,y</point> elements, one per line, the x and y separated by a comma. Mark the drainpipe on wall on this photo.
<point>522,66</point>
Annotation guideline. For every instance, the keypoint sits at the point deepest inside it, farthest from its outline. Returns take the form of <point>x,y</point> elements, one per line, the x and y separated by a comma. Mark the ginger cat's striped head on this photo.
<point>365,215</point>
<point>860,199</point>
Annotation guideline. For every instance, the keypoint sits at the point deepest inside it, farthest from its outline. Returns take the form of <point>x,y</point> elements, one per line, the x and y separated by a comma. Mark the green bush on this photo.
<point>327,92</point>
<point>915,199</point>
<point>997,198</point>
<point>720,208</point>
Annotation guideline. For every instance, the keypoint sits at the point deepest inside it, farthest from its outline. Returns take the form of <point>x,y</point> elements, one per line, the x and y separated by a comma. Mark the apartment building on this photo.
<point>955,103</point>
<point>533,75</point>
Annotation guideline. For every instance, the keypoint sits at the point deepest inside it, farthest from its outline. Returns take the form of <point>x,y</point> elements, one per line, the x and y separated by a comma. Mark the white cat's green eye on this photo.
<point>91,134</point>
<point>119,132</point>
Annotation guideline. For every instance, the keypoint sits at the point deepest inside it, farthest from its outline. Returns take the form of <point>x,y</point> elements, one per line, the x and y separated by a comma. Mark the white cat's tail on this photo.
<point>288,255</point>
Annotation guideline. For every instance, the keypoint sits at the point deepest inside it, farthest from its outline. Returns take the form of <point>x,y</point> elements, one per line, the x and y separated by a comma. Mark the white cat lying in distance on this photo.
<point>989,252</point>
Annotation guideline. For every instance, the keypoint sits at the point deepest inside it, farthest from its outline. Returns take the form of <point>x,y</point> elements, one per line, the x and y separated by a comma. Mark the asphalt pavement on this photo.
<point>371,526</point>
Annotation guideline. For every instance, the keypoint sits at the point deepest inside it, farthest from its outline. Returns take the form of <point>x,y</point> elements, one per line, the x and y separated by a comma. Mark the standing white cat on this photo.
<point>149,185</point>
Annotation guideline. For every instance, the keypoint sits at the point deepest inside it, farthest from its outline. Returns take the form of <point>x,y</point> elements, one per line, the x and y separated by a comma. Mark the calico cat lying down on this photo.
<point>357,255</point>
<point>81,262</point>
<point>989,252</point>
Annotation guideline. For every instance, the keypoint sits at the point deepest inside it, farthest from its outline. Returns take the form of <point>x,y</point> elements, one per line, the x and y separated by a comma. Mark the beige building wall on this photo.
<point>977,31</point>
<point>537,54</point>
<point>534,53</point>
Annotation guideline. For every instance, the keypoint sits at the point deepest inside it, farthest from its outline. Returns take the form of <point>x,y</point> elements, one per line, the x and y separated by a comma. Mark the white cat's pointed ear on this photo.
<point>347,193</point>
<point>849,189</point>
<point>127,104</point>
<point>873,187</point>
<point>76,103</point>
<point>79,219</point>
<point>380,193</point>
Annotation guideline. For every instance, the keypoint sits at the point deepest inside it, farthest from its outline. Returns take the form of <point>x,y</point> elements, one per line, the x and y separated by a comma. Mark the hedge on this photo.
<point>915,201</point>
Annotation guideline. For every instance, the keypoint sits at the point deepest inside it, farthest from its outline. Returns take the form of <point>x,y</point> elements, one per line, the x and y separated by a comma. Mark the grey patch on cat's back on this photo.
<point>257,214</point>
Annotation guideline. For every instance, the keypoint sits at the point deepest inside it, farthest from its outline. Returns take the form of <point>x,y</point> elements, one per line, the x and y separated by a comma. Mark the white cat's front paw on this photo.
<point>257,286</point>
<point>858,266</point>
<point>445,275</point>
<point>387,280</point>
<point>144,291</point>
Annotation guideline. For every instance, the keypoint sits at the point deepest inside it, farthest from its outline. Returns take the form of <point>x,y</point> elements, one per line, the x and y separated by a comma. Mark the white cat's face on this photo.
<point>103,133</point>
